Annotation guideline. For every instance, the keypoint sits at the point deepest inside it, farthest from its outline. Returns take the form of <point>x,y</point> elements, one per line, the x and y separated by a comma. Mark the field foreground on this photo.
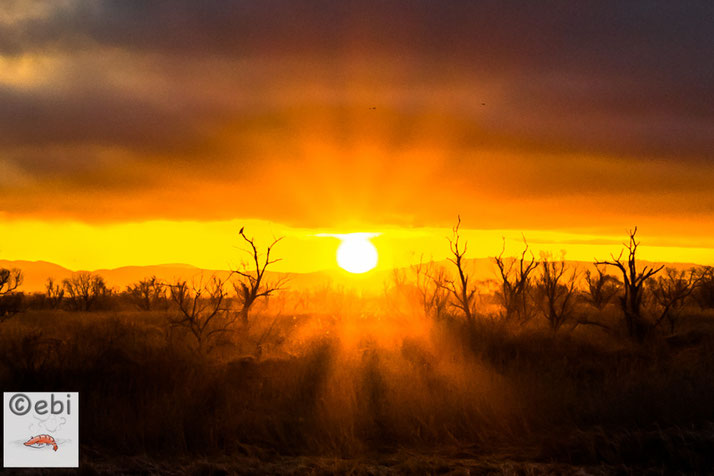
<point>367,394</point>
<point>403,462</point>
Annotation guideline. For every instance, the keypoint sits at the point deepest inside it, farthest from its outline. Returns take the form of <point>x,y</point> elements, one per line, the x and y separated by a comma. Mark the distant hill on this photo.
<point>480,269</point>
<point>36,273</point>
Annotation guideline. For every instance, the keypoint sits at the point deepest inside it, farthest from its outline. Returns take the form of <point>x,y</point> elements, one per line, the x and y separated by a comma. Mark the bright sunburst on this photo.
<point>356,253</point>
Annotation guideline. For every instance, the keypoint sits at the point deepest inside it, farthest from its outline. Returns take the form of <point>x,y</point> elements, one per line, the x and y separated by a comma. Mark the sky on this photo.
<point>136,132</point>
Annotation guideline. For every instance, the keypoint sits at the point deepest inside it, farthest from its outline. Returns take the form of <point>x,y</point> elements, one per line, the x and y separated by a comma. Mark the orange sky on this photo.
<point>135,133</point>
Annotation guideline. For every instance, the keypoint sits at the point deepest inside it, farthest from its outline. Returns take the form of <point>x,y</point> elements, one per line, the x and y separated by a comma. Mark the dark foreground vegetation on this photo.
<point>540,374</point>
<point>371,387</point>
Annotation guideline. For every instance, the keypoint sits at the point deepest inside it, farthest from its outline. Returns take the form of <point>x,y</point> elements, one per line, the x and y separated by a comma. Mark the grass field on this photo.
<point>371,392</point>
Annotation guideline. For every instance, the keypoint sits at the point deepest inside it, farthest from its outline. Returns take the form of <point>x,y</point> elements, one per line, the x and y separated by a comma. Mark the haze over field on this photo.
<point>483,270</point>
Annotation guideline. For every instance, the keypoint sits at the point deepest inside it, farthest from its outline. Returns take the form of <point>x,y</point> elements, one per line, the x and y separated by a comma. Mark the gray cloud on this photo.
<point>146,96</point>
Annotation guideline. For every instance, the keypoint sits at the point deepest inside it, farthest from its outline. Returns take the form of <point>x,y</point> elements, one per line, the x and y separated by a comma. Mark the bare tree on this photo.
<point>671,291</point>
<point>10,280</point>
<point>251,284</point>
<point>634,280</point>
<point>515,283</point>
<point>147,293</point>
<point>202,310</point>
<point>431,283</point>
<point>399,292</point>
<point>54,293</point>
<point>704,294</point>
<point>556,291</point>
<point>601,288</point>
<point>84,289</point>
<point>462,292</point>
<point>10,300</point>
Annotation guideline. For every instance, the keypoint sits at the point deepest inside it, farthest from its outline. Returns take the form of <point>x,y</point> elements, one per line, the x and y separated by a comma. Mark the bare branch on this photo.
<point>10,301</point>
<point>556,292</point>
<point>631,301</point>
<point>515,283</point>
<point>200,310</point>
<point>252,285</point>
<point>462,291</point>
<point>84,289</point>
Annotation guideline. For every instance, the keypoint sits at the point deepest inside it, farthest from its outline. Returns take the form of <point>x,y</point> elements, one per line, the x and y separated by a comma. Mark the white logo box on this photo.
<point>35,424</point>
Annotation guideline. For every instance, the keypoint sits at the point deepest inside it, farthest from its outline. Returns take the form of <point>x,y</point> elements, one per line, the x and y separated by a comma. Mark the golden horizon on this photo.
<point>215,244</point>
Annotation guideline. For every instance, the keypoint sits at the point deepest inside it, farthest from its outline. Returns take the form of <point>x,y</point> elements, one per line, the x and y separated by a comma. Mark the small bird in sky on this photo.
<point>373,108</point>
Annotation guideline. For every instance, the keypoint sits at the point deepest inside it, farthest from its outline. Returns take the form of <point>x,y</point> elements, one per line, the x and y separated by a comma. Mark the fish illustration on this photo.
<point>40,441</point>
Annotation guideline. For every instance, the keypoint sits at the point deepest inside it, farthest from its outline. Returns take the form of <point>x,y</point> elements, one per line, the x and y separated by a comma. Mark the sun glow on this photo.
<point>356,254</point>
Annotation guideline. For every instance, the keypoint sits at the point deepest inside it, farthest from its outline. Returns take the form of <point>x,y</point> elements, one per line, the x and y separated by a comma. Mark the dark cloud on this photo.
<point>151,96</point>
<point>669,38</point>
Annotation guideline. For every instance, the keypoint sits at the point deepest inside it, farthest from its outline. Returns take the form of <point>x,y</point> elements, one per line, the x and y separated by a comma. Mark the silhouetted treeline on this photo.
<point>525,288</point>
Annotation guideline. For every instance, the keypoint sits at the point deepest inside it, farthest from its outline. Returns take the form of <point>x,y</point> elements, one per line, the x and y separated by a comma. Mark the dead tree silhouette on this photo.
<point>515,283</point>
<point>147,293</point>
<point>83,290</point>
<point>463,293</point>
<point>201,310</point>
<point>633,286</point>
<point>54,293</point>
<point>251,284</point>
<point>10,301</point>
<point>556,291</point>
<point>671,291</point>
<point>704,294</point>
<point>601,288</point>
<point>430,281</point>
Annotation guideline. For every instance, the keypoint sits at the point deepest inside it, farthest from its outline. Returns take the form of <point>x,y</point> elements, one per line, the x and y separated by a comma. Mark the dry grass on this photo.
<point>367,393</point>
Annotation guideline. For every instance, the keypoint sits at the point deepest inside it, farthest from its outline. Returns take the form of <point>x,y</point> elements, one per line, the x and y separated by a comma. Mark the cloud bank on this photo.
<point>320,113</point>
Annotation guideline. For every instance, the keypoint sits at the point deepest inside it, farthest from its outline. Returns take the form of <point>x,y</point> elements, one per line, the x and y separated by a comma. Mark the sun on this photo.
<point>356,254</point>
